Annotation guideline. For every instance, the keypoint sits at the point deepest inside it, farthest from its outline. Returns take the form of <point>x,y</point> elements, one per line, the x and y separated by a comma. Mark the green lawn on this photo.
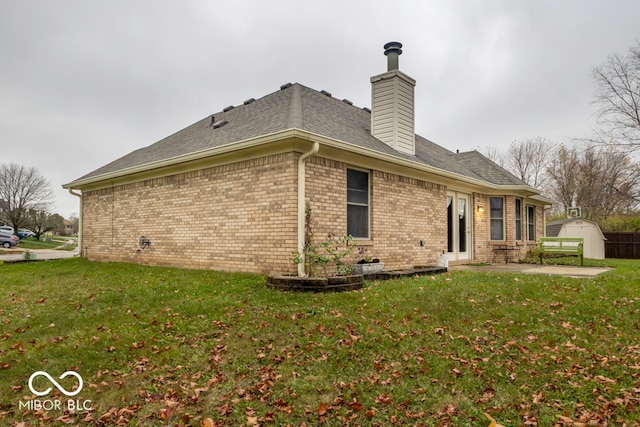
<point>162,346</point>
<point>55,242</point>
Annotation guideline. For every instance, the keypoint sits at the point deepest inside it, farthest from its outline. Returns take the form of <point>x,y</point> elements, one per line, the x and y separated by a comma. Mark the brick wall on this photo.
<point>403,212</point>
<point>409,220</point>
<point>243,217</point>
<point>484,247</point>
<point>481,229</point>
<point>236,217</point>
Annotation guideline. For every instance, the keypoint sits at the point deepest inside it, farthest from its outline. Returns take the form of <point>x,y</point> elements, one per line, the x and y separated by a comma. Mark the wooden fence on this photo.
<point>622,245</point>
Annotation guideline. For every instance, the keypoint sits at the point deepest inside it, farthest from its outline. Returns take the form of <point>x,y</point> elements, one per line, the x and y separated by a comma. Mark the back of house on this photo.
<point>229,192</point>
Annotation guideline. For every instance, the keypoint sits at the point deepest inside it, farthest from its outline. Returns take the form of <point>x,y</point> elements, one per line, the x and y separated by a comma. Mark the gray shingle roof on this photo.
<point>486,169</point>
<point>297,106</point>
<point>554,227</point>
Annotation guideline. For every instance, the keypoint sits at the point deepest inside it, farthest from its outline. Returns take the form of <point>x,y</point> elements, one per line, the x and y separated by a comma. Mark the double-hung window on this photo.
<point>496,212</point>
<point>358,204</point>
<point>531,223</point>
<point>518,219</point>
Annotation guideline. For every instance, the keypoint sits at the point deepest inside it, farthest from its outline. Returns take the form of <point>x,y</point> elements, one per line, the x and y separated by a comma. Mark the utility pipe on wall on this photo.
<point>79,196</point>
<point>301,202</point>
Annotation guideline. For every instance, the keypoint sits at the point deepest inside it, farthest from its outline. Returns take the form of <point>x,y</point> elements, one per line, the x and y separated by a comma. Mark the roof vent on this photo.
<point>346,101</point>
<point>219,124</point>
<point>392,50</point>
<point>324,92</point>
<point>249,101</point>
<point>229,108</point>
<point>285,86</point>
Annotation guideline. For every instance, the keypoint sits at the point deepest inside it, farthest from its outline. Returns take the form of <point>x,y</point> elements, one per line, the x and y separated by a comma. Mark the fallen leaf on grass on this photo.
<point>322,409</point>
<point>384,399</point>
<point>166,412</point>
<point>493,422</point>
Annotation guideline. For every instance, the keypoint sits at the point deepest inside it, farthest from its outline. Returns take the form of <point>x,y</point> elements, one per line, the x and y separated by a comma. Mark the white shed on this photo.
<point>579,227</point>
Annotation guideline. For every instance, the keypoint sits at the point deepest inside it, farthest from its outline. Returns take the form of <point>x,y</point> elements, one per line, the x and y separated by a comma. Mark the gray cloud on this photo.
<point>83,83</point>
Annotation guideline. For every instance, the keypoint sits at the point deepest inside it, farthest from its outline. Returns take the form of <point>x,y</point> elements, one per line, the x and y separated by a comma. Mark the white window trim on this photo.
<point>517,199</point>
<point>531,238</point>
<point>504,234</point>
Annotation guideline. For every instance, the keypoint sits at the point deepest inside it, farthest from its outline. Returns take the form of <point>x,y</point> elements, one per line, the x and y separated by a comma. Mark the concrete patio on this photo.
<point>561,270</point>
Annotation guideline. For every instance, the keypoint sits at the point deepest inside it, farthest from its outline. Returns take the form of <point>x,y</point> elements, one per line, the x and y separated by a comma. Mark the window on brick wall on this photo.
<point>358,204</point>
<point>496,208</point>
<point>531,223</point>
<point>518,219</point>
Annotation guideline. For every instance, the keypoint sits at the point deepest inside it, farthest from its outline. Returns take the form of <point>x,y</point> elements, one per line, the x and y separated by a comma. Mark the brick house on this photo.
<point>229,192</point>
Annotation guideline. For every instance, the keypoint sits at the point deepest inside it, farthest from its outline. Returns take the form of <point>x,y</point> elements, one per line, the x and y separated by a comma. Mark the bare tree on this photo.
<point>21,190</point>
<point>40,222</point>
<point>563,179</point>
<point>601,180</point>
<point>494,154</point>
<point>528,160</point>
<point>618,99</point>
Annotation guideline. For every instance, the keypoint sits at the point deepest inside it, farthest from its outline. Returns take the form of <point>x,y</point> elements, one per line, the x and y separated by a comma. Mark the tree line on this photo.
<point>601,175</point>
<point>26,201</point>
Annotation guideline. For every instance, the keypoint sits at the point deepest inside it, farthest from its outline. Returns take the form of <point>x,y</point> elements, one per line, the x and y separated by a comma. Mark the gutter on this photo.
<point>79,196</point>
<point>296,134</point>
<point>291,133</point>
<point>172,161</point>
<point>301,202</point>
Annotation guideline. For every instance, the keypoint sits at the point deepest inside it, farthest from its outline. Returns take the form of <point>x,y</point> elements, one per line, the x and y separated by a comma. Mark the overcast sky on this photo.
<point>85,82</point>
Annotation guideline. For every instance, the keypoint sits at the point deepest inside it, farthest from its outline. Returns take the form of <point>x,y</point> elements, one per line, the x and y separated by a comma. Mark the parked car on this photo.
<point>6,229</point>
<point>25,233</point>
<point>7,240</point>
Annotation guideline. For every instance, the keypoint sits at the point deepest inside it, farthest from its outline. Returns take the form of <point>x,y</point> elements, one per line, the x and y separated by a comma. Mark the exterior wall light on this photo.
<point>480,209</point>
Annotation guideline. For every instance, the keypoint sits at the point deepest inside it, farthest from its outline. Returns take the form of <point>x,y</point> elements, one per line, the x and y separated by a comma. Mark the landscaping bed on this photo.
<point>316,284</point>
<point>290,282</point>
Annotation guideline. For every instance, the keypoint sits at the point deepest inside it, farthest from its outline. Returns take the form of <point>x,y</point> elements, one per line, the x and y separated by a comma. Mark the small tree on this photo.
<point>21,190</point>
<point>38,222</point>
<point>42,222</point>
<point>75,219</point>
<point>320,256</point>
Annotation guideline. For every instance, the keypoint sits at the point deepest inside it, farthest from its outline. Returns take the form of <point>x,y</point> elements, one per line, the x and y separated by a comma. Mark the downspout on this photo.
<point>301,202</point>
<point>79,196</point>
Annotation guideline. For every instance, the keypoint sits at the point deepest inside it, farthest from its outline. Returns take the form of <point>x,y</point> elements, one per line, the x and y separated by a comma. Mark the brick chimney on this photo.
<point>392,104</point>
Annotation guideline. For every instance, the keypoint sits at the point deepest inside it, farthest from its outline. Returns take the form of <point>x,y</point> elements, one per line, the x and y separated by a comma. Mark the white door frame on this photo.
<point>459,226</point>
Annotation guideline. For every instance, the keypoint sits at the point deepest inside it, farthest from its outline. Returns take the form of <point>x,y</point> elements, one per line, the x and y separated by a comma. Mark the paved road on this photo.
<point>41,254</point>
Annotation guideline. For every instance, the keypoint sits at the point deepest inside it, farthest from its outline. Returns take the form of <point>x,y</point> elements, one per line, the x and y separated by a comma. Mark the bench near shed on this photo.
<point>561,246</point>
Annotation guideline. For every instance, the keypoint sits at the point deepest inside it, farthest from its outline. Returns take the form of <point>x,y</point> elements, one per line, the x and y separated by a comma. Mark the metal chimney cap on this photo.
<point>393,47</point>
